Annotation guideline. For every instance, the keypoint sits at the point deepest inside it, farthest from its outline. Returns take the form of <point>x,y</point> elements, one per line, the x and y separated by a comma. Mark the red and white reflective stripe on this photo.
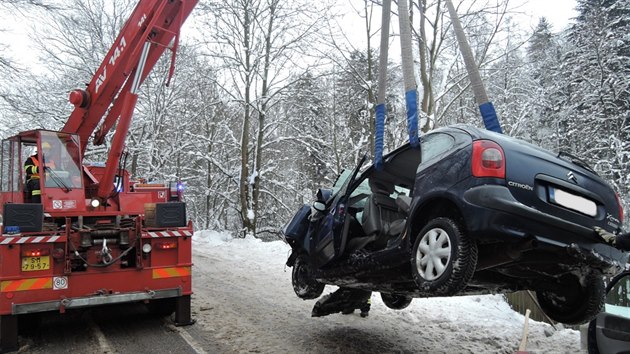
<point>169,233</point>
<point>28,239</point>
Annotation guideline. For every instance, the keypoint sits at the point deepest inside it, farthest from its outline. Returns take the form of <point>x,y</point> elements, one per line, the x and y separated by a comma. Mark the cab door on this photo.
<point>328,237</point>
<point>609,332</point>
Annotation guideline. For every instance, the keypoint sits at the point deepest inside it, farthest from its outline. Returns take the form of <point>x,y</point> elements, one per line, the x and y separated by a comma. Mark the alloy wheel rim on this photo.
<point>433,254</point>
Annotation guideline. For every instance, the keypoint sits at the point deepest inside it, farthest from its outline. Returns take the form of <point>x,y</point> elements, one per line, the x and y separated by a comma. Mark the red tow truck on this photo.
<point>97,237</point>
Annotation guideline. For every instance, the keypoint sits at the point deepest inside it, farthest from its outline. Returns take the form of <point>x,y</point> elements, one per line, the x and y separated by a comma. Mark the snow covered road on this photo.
<point>244,302</point>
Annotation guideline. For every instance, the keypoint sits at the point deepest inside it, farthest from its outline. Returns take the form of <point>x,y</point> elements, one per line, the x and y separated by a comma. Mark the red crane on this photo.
<point>89,235</point>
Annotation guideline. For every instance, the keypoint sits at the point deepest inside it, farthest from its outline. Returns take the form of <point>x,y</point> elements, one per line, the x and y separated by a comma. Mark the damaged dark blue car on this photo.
<point>471,212</point>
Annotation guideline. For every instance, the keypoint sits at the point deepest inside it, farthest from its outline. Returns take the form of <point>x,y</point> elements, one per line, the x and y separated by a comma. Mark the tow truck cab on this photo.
<point>75,249</point>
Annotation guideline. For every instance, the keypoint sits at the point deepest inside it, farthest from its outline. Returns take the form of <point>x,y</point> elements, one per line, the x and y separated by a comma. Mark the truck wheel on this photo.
<point>443,258</point>
<point>574,303</point>
<point>396,301</point>
<point>304,285</point>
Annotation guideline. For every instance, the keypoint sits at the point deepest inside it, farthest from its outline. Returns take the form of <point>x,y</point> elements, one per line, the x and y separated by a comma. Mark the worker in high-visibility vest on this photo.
<point>32,173</point>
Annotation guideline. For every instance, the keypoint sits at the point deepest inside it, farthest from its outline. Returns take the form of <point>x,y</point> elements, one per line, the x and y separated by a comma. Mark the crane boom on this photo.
<point>157,22</point>
<point>153,26</point>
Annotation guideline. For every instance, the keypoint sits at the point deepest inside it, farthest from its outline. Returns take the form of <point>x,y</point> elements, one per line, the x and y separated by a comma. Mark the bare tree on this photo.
<point>22,3</point>
<point>442,82</point>
<point>258,44</point>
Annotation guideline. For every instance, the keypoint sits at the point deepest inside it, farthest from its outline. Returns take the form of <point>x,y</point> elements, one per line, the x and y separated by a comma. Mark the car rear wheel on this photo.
<point>574,302</point>
<point>304,285</point>
<point>443,258</point>
<point>396,301</point>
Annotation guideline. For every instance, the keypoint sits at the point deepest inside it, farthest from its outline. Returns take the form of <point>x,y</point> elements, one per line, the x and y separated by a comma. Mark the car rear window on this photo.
<point>435,144</point>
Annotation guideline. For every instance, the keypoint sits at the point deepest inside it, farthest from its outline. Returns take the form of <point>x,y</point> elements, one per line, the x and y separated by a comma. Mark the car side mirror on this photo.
<point>323,194</point>
<point>319,206</point>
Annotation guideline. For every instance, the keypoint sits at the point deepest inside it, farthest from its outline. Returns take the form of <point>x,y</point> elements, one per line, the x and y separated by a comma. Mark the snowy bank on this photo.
<point>250,275</point>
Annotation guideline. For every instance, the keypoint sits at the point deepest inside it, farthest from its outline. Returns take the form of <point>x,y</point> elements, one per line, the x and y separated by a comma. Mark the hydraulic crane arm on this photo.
<point>153,26</point>
<point>156,21</point>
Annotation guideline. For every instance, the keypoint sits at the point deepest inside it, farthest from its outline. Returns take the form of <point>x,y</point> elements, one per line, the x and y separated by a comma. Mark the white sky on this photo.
<point>525,12</point>
<point>558,12</point>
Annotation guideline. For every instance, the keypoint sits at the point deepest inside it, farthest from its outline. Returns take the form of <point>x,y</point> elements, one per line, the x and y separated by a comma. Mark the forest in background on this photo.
<point>271,99</point>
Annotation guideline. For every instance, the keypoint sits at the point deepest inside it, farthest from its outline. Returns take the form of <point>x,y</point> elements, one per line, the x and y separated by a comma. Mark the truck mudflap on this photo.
<point>96,300</point>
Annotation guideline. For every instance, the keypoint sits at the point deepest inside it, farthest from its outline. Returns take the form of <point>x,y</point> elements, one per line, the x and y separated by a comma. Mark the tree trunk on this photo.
<point>209,177</point>
<point>262,113</point>
<point>248,226</point>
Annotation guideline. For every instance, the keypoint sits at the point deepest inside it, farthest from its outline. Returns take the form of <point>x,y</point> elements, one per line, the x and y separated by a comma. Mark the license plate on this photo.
<point>572,201</point>
<point>31,264</point>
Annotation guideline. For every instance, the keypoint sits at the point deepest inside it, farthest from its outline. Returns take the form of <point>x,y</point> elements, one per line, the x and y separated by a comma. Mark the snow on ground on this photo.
<point>244,301</point>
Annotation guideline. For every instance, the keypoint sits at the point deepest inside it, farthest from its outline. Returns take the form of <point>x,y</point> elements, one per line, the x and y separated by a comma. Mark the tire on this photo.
<point>304,285</point>
<point>395,301</point>
<point>443,258</point>
<point>591,338</point>
<point>574,303</point>
<point>161,307</point>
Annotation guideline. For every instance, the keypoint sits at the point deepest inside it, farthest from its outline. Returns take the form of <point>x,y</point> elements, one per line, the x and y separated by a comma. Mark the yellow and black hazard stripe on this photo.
<point>171,272</point>
<point>25,284</point>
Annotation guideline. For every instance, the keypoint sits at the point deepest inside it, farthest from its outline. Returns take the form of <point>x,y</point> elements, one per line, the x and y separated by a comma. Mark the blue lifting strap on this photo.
<point>411,93</point>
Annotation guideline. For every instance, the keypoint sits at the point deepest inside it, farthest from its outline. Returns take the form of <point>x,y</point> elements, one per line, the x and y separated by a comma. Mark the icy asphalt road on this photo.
<point>244,303</point>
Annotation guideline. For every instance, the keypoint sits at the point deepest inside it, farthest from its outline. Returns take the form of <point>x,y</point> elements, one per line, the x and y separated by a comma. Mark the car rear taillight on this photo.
<point>620,207</point>
<point>488,159</point>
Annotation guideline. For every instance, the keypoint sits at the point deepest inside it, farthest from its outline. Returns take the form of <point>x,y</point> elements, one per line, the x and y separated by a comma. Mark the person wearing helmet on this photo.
<point>32,173</point>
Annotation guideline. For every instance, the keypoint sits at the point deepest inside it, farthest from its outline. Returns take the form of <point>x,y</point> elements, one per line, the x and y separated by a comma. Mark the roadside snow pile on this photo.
<point>256,270</point>
<point>210,240</point>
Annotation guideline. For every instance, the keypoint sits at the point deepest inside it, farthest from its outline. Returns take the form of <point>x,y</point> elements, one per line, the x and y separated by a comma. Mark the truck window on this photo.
<point>6,160</point>
<point>62,160</point>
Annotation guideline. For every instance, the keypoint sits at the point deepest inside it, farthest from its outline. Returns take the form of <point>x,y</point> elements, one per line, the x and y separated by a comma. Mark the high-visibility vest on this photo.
<point>34,168</point>
<point>35,172</point>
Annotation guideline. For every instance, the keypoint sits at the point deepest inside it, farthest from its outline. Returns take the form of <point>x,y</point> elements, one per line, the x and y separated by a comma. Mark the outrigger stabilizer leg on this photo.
<point>8,333</point>
<point>183,311</point>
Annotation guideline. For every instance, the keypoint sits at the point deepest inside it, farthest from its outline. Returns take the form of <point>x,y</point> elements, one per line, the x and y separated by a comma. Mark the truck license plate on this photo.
<point>31,264</point>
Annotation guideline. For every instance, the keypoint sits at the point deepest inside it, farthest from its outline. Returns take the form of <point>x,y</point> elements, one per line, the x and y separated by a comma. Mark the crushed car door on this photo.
<point>609,332</point>
<point>328,241</point>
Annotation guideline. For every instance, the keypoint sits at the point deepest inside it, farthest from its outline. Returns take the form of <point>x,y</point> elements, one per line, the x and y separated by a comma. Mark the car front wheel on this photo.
<point>574,302</point>
<point>443,258</point>
<point>304,285</point>
<point>396,301</point>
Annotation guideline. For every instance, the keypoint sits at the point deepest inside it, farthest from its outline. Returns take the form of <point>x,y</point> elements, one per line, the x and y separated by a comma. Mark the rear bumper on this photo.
<point>492,212</point>
<point>97,300</point>
<point>499,198</point>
